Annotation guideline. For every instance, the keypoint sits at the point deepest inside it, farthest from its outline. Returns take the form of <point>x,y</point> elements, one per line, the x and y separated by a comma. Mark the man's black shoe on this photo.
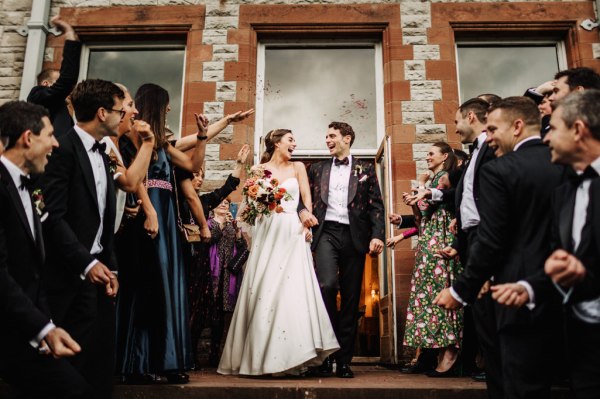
<point>326,369</point>
<point>344,371</point>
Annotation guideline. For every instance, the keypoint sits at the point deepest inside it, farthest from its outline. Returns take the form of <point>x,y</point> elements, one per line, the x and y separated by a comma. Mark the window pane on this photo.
<point>134,67</point>
<point>505,71</point>
<point>308,88</point>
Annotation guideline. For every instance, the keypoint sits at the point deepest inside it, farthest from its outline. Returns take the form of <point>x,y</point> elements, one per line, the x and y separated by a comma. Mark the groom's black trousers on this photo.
<point>340,266</point>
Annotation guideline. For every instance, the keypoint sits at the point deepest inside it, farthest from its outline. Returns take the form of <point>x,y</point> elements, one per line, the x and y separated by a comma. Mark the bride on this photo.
<point>280,324</point>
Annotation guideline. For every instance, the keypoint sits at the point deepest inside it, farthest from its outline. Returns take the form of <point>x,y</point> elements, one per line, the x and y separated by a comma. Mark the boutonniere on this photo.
<point>113,162</point>
<point>38,203</point>
<point>358,169</point>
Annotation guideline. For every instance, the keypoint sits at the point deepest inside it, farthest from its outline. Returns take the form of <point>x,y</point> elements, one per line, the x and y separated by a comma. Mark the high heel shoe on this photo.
<point>453,371</point>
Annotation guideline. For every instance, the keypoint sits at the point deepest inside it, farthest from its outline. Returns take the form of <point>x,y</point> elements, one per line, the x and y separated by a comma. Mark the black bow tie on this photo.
<point>25,183</point>
<point>338,162</point>
<point>588,173</point>
<point>100,147</point>
<point>473,146</point>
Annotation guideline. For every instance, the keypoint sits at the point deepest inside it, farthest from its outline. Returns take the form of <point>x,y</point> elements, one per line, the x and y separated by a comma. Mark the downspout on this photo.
<point>36,31</point>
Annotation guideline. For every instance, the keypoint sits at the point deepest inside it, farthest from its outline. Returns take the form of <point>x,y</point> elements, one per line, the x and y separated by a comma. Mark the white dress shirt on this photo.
<point>586,311</point>
<point>16,173</point>
<point>337,202</point>
<point>99,171</point>
<point>469,215</point>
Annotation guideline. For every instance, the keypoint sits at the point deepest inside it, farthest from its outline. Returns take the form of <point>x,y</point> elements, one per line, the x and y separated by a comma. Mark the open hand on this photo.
<point>391,242</point>
<point>243,153</point>
<point>239,116</point>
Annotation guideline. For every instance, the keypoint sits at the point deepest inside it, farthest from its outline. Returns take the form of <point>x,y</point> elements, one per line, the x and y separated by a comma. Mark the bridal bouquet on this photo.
<point>262,196</point>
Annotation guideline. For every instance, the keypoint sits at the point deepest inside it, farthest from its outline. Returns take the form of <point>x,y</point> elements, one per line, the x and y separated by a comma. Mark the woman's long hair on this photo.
<point>152,101</point>
<point>272,138</point>
<point>450,163</point>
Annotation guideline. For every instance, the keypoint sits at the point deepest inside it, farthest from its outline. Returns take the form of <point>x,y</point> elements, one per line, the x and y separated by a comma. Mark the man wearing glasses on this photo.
<point>79,196</point>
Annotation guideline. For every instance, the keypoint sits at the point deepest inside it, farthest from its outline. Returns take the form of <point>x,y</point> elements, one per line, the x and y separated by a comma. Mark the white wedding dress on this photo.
<point>280,324</point>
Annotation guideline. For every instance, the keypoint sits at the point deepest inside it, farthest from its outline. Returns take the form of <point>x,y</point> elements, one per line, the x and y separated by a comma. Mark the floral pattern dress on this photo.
<point>428,325</point>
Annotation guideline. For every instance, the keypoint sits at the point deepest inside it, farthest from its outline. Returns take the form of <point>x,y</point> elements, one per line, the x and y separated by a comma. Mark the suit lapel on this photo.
<point>565,219</point>
<point>481,155</point>
<point>353,183</point>
<point>86,166</point>
<point>325,174</point>
<point>16,198</point>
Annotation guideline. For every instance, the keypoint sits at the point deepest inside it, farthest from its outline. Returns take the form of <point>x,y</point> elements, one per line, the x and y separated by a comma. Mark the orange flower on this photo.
<point>278,196</point>
<point>274,182</point>
<point>279,209</point>
<point>282,190</point>
<point>272,206</point>
<point>252,191</point>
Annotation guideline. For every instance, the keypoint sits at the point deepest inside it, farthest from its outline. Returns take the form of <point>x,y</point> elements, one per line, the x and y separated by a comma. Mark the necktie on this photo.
<point>338,162</point>
<point>25,183</point>
<point>100,147</point>
<point>588,173</point>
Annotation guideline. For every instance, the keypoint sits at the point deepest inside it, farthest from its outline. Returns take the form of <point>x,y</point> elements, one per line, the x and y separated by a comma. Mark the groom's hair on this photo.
<point>345,129</point>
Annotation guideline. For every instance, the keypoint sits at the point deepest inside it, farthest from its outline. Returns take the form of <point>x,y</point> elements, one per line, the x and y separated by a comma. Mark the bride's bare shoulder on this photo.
<point>298,165</point>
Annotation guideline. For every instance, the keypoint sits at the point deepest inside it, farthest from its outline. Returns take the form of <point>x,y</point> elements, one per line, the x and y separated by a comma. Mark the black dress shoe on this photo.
<point>326,368</point>
<point>178,378</point>
<point>417,368</point>
<point>138,379</point>
<point>344,371</point>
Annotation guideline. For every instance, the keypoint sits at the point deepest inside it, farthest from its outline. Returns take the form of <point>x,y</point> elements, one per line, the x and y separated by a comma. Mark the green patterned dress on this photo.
<point>428,325</point>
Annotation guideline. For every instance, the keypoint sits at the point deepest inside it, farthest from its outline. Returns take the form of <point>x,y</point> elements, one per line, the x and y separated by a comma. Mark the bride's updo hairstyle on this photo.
<point>272,138</point>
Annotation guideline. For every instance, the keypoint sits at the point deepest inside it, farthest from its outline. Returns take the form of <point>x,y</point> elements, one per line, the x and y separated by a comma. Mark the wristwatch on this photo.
<point>201,137</point>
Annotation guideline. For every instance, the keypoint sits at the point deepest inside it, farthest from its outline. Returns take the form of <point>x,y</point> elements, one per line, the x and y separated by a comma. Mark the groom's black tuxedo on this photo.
<point>365,206</point>
<point>341,248</point>
<point>512,244</point>
<point>23,306</point>
<point>72,225</point>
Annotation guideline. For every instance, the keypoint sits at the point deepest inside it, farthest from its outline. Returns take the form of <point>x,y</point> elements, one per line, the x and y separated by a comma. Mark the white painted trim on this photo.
<point>260,101</point>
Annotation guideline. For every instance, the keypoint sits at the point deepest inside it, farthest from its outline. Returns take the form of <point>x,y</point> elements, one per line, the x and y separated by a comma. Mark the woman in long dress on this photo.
<point>280,324</point>
<point>428,325</point>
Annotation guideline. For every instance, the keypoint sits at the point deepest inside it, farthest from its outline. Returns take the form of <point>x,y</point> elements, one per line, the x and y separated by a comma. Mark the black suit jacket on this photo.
<point>513,237</point>
<point>53,97</point>
<point>23,308</point>
<point>588,251</point>
<point>365,206</point>
<point>74,218</point>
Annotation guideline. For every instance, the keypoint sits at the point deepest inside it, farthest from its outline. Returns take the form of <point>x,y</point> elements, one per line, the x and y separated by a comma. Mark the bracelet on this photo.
<point>201,137</point>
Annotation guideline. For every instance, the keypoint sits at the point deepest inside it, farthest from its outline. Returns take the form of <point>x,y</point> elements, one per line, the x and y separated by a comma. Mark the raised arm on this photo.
<point>131,177</point>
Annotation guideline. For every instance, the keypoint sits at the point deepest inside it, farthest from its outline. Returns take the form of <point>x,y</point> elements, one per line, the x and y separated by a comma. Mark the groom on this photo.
<point>348,218</point>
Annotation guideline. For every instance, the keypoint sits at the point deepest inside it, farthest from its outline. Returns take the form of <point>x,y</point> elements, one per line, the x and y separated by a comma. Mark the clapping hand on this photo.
<point>243,154</point>
<point>511,294</point>
<point>564,268</point>
<point>202,124</point>
<point>60,343</point>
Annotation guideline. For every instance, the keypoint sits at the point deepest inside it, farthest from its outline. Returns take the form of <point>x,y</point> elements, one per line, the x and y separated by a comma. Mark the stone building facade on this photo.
<point>420,81</point>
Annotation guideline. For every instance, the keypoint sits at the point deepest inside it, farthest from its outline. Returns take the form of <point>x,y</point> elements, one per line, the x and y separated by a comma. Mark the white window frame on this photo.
<point>260,82</point>
<point>561,52</point>
<point>87,48</point>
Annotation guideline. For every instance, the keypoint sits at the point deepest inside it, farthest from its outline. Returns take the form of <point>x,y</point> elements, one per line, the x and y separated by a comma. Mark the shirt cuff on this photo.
<point>436,195</point>
<point>87,269</point>
<point>531,304</point>
<point>399,222</point>
<point>42,334</point>
<point>456,296</point>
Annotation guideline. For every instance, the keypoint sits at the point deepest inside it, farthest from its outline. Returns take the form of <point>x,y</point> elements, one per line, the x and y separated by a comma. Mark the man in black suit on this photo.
<point>512,244</point>
<point>27,331</point>
<point>80,198</point>
<point>574,266</point>
<point>54,87</point>
<point>348,210</point>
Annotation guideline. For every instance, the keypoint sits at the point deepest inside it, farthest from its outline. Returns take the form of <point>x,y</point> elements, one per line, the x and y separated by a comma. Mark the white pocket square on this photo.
<point>362,179</point>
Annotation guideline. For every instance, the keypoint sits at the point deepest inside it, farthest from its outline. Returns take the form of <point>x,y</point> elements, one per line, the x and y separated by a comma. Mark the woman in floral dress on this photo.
<point>427,325</point>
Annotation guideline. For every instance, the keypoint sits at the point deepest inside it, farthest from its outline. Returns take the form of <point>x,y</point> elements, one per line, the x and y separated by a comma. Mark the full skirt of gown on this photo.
<point>280,323</point>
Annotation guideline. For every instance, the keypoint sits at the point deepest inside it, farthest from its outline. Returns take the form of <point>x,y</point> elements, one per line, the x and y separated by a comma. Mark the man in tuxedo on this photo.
<point>574,79</point>
<point>54,87</point>
<point>28,333</point>
<point>349,219</point>
<point>80,198</point>
<point>511,245</point>
<point>574,266</point>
